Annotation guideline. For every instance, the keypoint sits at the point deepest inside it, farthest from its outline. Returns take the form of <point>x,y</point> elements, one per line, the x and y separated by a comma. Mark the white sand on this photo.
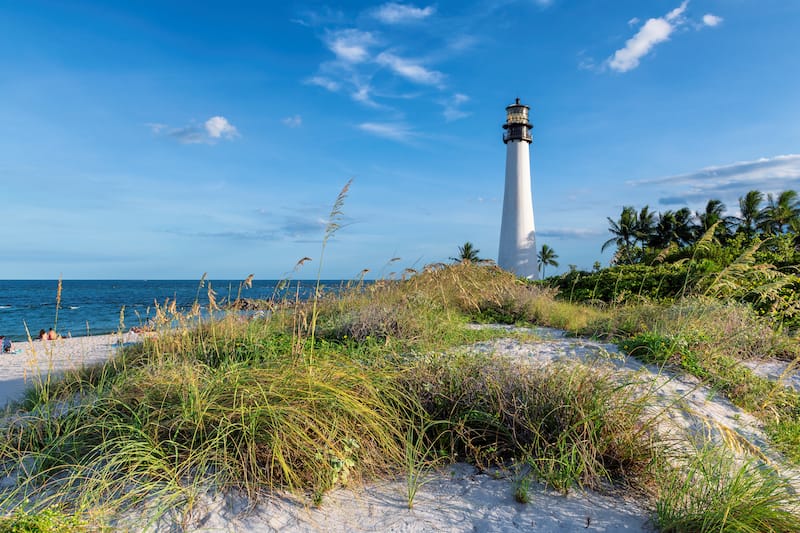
<point>34,360</point>
<point>457,498</point>
<point>454,499</point>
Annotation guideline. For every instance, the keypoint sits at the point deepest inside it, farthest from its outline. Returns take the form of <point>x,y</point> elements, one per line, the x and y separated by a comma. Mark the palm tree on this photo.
<point>684,231</point>
<point>714,213</point>
<point>547,256</point>
<point>623,231</point>
<point>749,211</point>
<point>664,231</point>
<point>780,213</point>
<point>467,253</point>
<point>645,225</point>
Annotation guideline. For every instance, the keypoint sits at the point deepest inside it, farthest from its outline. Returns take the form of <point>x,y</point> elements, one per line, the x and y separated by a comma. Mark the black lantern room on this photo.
<point>517,126</point>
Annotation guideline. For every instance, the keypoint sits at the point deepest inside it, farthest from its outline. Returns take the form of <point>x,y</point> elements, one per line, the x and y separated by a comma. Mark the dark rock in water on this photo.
<point>249,304</point>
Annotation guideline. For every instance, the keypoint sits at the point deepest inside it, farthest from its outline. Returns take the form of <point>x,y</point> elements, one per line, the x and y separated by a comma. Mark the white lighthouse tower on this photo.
<point>517,233</point>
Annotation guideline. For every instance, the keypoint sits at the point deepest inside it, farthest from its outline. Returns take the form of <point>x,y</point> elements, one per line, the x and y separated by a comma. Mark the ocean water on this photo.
<point>92,307</point>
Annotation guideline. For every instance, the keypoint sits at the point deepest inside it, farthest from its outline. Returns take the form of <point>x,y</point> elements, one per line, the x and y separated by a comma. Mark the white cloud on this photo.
<point>394,13</point>
<point>294,121</point>
<point>350,45</point>
<point>653,32</point>
<point>218,127</point>
<point>409,70</point>
<point>325,83</point>
<point>387,130</point>
<point>677,13</point>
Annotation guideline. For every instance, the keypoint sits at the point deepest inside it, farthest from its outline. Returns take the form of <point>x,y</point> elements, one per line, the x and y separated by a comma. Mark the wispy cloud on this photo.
<point>653,32</point>
<point>394,13</point>
<point>452,107</point>
<point>156,127</point>
<point>388,130</point>
<point>729,181</point>
<point>350,45</point>
<point>325,83</point>
<point>409,69</point>
<point>295,121</point>
<point>569,233</point>
<point>380,53</point>
<point>293,227</point>
<point>212,130</point>
<point>302,227</point>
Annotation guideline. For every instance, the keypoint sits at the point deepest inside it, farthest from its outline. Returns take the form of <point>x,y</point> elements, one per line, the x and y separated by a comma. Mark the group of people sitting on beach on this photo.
<point>7,347</point>
<point>49,335</point>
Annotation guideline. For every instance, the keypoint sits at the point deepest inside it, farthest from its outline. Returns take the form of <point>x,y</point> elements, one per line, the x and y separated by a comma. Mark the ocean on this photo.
<point>92,307</point>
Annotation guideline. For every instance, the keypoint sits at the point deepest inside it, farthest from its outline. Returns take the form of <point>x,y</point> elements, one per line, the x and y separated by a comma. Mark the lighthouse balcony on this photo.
<point>517,134</point>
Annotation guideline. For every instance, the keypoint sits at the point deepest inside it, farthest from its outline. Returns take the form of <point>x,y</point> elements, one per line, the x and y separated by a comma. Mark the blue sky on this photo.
<point>167,139</point>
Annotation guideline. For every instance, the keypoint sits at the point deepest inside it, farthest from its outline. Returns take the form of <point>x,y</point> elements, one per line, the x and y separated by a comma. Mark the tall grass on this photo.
<point>573,424</point>
<point>716,492</point>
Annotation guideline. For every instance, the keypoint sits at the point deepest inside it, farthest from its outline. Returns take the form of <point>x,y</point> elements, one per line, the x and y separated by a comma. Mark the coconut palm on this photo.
<point>645,225</point>
<point>623,231</point>
<point>713,213</point>
<point>684,232</point>
<point>663,233</point>
<point>547,256</point>
<point>780,213</point>
<point>467,253</point>
<point>749,211</point>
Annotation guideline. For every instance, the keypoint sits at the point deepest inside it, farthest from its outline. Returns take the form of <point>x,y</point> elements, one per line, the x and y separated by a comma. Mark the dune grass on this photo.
<point>718,492</point>
<point>236,404</point>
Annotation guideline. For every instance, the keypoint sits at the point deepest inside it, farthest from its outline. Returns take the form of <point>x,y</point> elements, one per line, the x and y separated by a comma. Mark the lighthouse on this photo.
<point>517,234</point>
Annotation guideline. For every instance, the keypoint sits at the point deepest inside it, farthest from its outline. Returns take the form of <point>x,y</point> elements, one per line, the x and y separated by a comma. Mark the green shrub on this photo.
<point>44,521</point>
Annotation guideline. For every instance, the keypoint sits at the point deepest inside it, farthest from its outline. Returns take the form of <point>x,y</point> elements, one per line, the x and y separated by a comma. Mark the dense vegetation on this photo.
<point>752,257</point>
<point>355,385</point>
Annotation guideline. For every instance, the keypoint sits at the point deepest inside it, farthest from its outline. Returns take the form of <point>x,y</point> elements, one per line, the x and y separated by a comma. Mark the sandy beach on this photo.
<point>33,359</point>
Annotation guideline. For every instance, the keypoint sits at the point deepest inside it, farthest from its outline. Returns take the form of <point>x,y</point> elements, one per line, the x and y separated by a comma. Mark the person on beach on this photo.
<point>42,335</point>
<point>6,344</point>
<point>52,335</point>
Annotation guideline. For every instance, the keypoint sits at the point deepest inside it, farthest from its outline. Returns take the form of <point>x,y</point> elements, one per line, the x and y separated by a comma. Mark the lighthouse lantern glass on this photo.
<point>517,114</point>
